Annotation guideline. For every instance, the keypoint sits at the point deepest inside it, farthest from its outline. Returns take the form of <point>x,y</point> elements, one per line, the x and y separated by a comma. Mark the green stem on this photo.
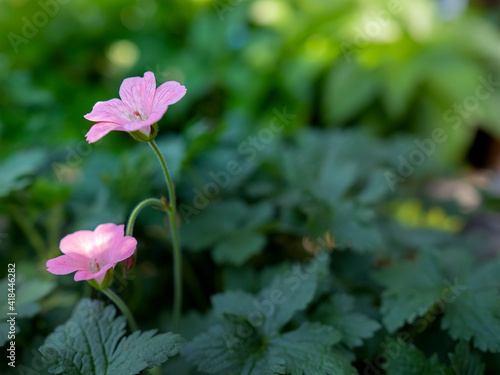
<point>34,237</point>
<point>123,308</point>
<point>175,239</point>
<point>137,209</point>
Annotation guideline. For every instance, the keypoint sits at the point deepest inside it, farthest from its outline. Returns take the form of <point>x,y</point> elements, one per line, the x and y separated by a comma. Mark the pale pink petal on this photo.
<point>122,250</point>
<point>62,265</point>
<point>155,116</point>
<point>98,276</point>
<point>106,237</point>
<point>92,253</point>
<point>110,111</point>
<point>137,93</point>
<point>100,129</point>
<point>168,93</point>
<point>78,244</point>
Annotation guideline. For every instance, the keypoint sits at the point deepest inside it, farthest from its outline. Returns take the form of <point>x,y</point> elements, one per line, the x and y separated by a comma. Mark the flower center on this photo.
<point>94,266</point>
<point>138,116</point>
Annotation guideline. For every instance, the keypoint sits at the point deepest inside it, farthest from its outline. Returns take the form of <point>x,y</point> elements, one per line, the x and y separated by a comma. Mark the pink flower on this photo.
<point>92,253</point>
<point>140,107</point>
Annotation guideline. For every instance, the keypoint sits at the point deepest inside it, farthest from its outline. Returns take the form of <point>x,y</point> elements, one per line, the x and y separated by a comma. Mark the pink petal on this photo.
<point>122,250</point>
<point>168,93</point>
<point>62,265</point>
<point>78,244</point>
<point>137,93</point>
<point>133,126</point>
<point>106,236</point>
<point>110,111</point>
<point>98,276</point>
<point>100,129</point>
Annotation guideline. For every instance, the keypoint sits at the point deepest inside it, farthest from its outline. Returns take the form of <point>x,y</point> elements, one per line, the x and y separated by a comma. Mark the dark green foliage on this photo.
<point>93,342</point>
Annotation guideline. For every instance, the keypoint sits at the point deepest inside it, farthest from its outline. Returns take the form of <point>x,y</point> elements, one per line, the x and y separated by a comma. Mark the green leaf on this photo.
<point>288,294</point>
<point>28,293</point>
<point>307,350</point>
<point>350,227</point>
<point>349,88</point>
<point>422,288</point>
<point>409,360</point>
<point>411,290</point>
<point>475,316</point>
<point>224,348</point>
<point>275,305</point>
<point>238,247</point>
<point>15,171</point>
<point>339,313</point>
<point>249,339</point>
<point>213,223</point>
<point>464,362</point>
<point>92,342</point>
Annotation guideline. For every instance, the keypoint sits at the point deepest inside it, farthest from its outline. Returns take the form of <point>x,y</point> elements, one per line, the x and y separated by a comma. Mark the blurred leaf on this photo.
<point>28,294</point>
<point>348,89</point>
<point>15,172</point>
<point>339,313</point>
<point>464,361</point>
<point>411,361</point>
<point>238,247</point>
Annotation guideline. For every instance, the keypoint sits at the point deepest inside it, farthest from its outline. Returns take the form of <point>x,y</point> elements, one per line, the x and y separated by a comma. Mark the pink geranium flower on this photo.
<point>140,107</point>
<point>92,253</point>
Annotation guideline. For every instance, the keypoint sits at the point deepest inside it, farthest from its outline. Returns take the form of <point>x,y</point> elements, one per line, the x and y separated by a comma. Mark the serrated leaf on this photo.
<point>92,342</point>
<point>475,312</point>
<point>224,348</point>
<point>475,315</point>
<point>238,247</point>
<point>305,351</point>
<point>352,227</point>
<point>249,342</point>
<point>339,313</point>
<point>213,223</point>
<point>275,305</point>
<point>409,360</point>
<point>308,350</point>
<point>464,362</point>
<point>411,289</point>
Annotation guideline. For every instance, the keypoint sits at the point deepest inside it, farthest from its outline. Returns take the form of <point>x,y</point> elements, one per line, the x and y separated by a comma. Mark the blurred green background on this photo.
<point>381,74</point>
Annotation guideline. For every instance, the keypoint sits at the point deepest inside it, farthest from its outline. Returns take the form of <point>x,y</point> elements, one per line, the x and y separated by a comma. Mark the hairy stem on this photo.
<point>123,308</point>
<point>172,208</point>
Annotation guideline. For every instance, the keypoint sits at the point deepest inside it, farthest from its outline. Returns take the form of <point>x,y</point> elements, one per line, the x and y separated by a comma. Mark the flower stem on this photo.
<point>123,308</point>
<point>175,239</point>
<point>137,209</point>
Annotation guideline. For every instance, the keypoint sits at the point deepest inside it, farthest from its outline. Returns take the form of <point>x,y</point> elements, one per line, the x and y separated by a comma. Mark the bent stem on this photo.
<point>175,238</point>
<point>123,308</point>
<point>137,209</point>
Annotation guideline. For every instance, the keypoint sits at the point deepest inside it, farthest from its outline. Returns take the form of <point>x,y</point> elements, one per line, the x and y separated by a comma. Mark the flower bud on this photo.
<point>140,136</point>
<point>105,283</point>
